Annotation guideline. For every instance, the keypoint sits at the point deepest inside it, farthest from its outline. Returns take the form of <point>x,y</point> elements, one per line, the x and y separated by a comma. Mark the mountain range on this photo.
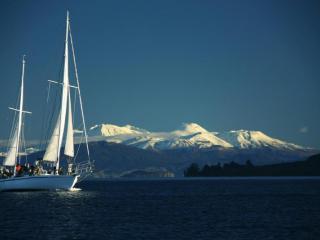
<point>189,135</point>
<point>128,150</point>
<point>118,149</point>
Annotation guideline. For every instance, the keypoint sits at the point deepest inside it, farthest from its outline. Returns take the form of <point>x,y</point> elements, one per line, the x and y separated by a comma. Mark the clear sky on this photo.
<point>225,64</point>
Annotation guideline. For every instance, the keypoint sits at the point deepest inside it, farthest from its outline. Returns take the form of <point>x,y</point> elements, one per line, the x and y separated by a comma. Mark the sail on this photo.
<point>52,153</point>
<point>69,147</point>
<point>12,154</point>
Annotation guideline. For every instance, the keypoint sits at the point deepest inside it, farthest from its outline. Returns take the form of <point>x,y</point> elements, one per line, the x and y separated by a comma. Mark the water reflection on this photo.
<point>74,194</point>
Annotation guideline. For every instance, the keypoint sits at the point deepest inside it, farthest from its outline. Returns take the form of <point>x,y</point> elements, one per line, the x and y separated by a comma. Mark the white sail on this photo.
<point>13,152</point>
<point>69,147</point>
<point>52,153</point>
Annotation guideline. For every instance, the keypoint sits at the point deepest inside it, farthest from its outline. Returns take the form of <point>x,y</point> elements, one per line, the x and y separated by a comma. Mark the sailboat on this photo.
<point>52,179</point>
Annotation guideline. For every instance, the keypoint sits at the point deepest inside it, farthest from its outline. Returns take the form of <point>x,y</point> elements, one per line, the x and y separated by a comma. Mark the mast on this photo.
<point>53,150</point>
<point>14,148</point>
<point>20,108</point>
<point>65,90</point>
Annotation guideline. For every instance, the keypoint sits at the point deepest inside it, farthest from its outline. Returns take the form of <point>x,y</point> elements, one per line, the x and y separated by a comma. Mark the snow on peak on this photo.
<point>189,128</point>
<point>108,130</point>
<point>189,135</point>
<point>206,140</point>
<point>254,139</point>
<point>192,134</point>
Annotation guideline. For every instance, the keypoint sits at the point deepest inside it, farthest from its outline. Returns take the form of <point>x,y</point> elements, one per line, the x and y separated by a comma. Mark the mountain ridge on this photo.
<point>119,149</point>
<point>189,135</point>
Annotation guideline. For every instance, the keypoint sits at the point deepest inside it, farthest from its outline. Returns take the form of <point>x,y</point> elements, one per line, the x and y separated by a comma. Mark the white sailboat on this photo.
<point>47,180</point>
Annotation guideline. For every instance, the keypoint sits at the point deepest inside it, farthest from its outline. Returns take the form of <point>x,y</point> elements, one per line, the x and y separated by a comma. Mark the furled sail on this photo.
<point>69,147</point>
<point>52,153</point>
<point>13,152</point>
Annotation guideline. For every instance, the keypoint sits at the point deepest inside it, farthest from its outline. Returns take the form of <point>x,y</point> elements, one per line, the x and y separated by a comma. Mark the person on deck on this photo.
<point>18,169</point>
<point>31,170</point>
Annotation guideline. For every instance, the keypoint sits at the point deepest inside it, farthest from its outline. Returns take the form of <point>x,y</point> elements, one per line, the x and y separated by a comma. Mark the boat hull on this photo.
<point>41,182</point>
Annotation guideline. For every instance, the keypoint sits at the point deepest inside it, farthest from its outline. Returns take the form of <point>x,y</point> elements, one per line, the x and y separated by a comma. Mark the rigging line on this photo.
<point>51,116</point>
<point>83,178</point>
<point>80,139</point>
<point>25,146</point>
<point>14,123</point>
<point>74,104</point>
<point>57,96</point>
<point>48,120</point>
<point>48,115</point>
<point>12,132</point>
<point>80,99</point>
<point>23,140</point>
<point>74,112</point>
<point>79,146</point>
<point>48,92</point>
<point>21,145</point>
<point>44,114</point>
<point>74,107</point>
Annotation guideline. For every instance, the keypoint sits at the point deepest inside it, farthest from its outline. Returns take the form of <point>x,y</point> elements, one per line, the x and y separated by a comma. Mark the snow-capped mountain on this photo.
<point>199,136</point>
<point>119,149</point>
<point>108,130</point>
<point>245,139</point>
<point>189,135</point>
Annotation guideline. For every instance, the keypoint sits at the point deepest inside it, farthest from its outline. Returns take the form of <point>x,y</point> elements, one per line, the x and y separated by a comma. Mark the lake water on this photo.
<point>238,208</point>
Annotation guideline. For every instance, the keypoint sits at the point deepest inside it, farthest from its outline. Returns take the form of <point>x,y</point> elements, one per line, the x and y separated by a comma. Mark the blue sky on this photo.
<point>224,64</point>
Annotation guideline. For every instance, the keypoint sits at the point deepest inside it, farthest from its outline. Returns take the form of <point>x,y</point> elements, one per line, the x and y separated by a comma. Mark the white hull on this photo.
<point>42,182</point>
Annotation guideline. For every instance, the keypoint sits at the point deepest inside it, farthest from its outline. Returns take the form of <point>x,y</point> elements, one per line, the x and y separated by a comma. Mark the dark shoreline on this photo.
<point>309,167</point>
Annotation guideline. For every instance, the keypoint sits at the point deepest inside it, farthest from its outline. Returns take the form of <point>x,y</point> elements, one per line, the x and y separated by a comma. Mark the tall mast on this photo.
<point>52,153</point>
<point>20,107</point>
<point>14,147</point>
<point>65,91</point>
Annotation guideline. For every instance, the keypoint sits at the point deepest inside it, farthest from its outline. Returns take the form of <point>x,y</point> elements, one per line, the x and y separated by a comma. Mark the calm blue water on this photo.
<point>167,209</point>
